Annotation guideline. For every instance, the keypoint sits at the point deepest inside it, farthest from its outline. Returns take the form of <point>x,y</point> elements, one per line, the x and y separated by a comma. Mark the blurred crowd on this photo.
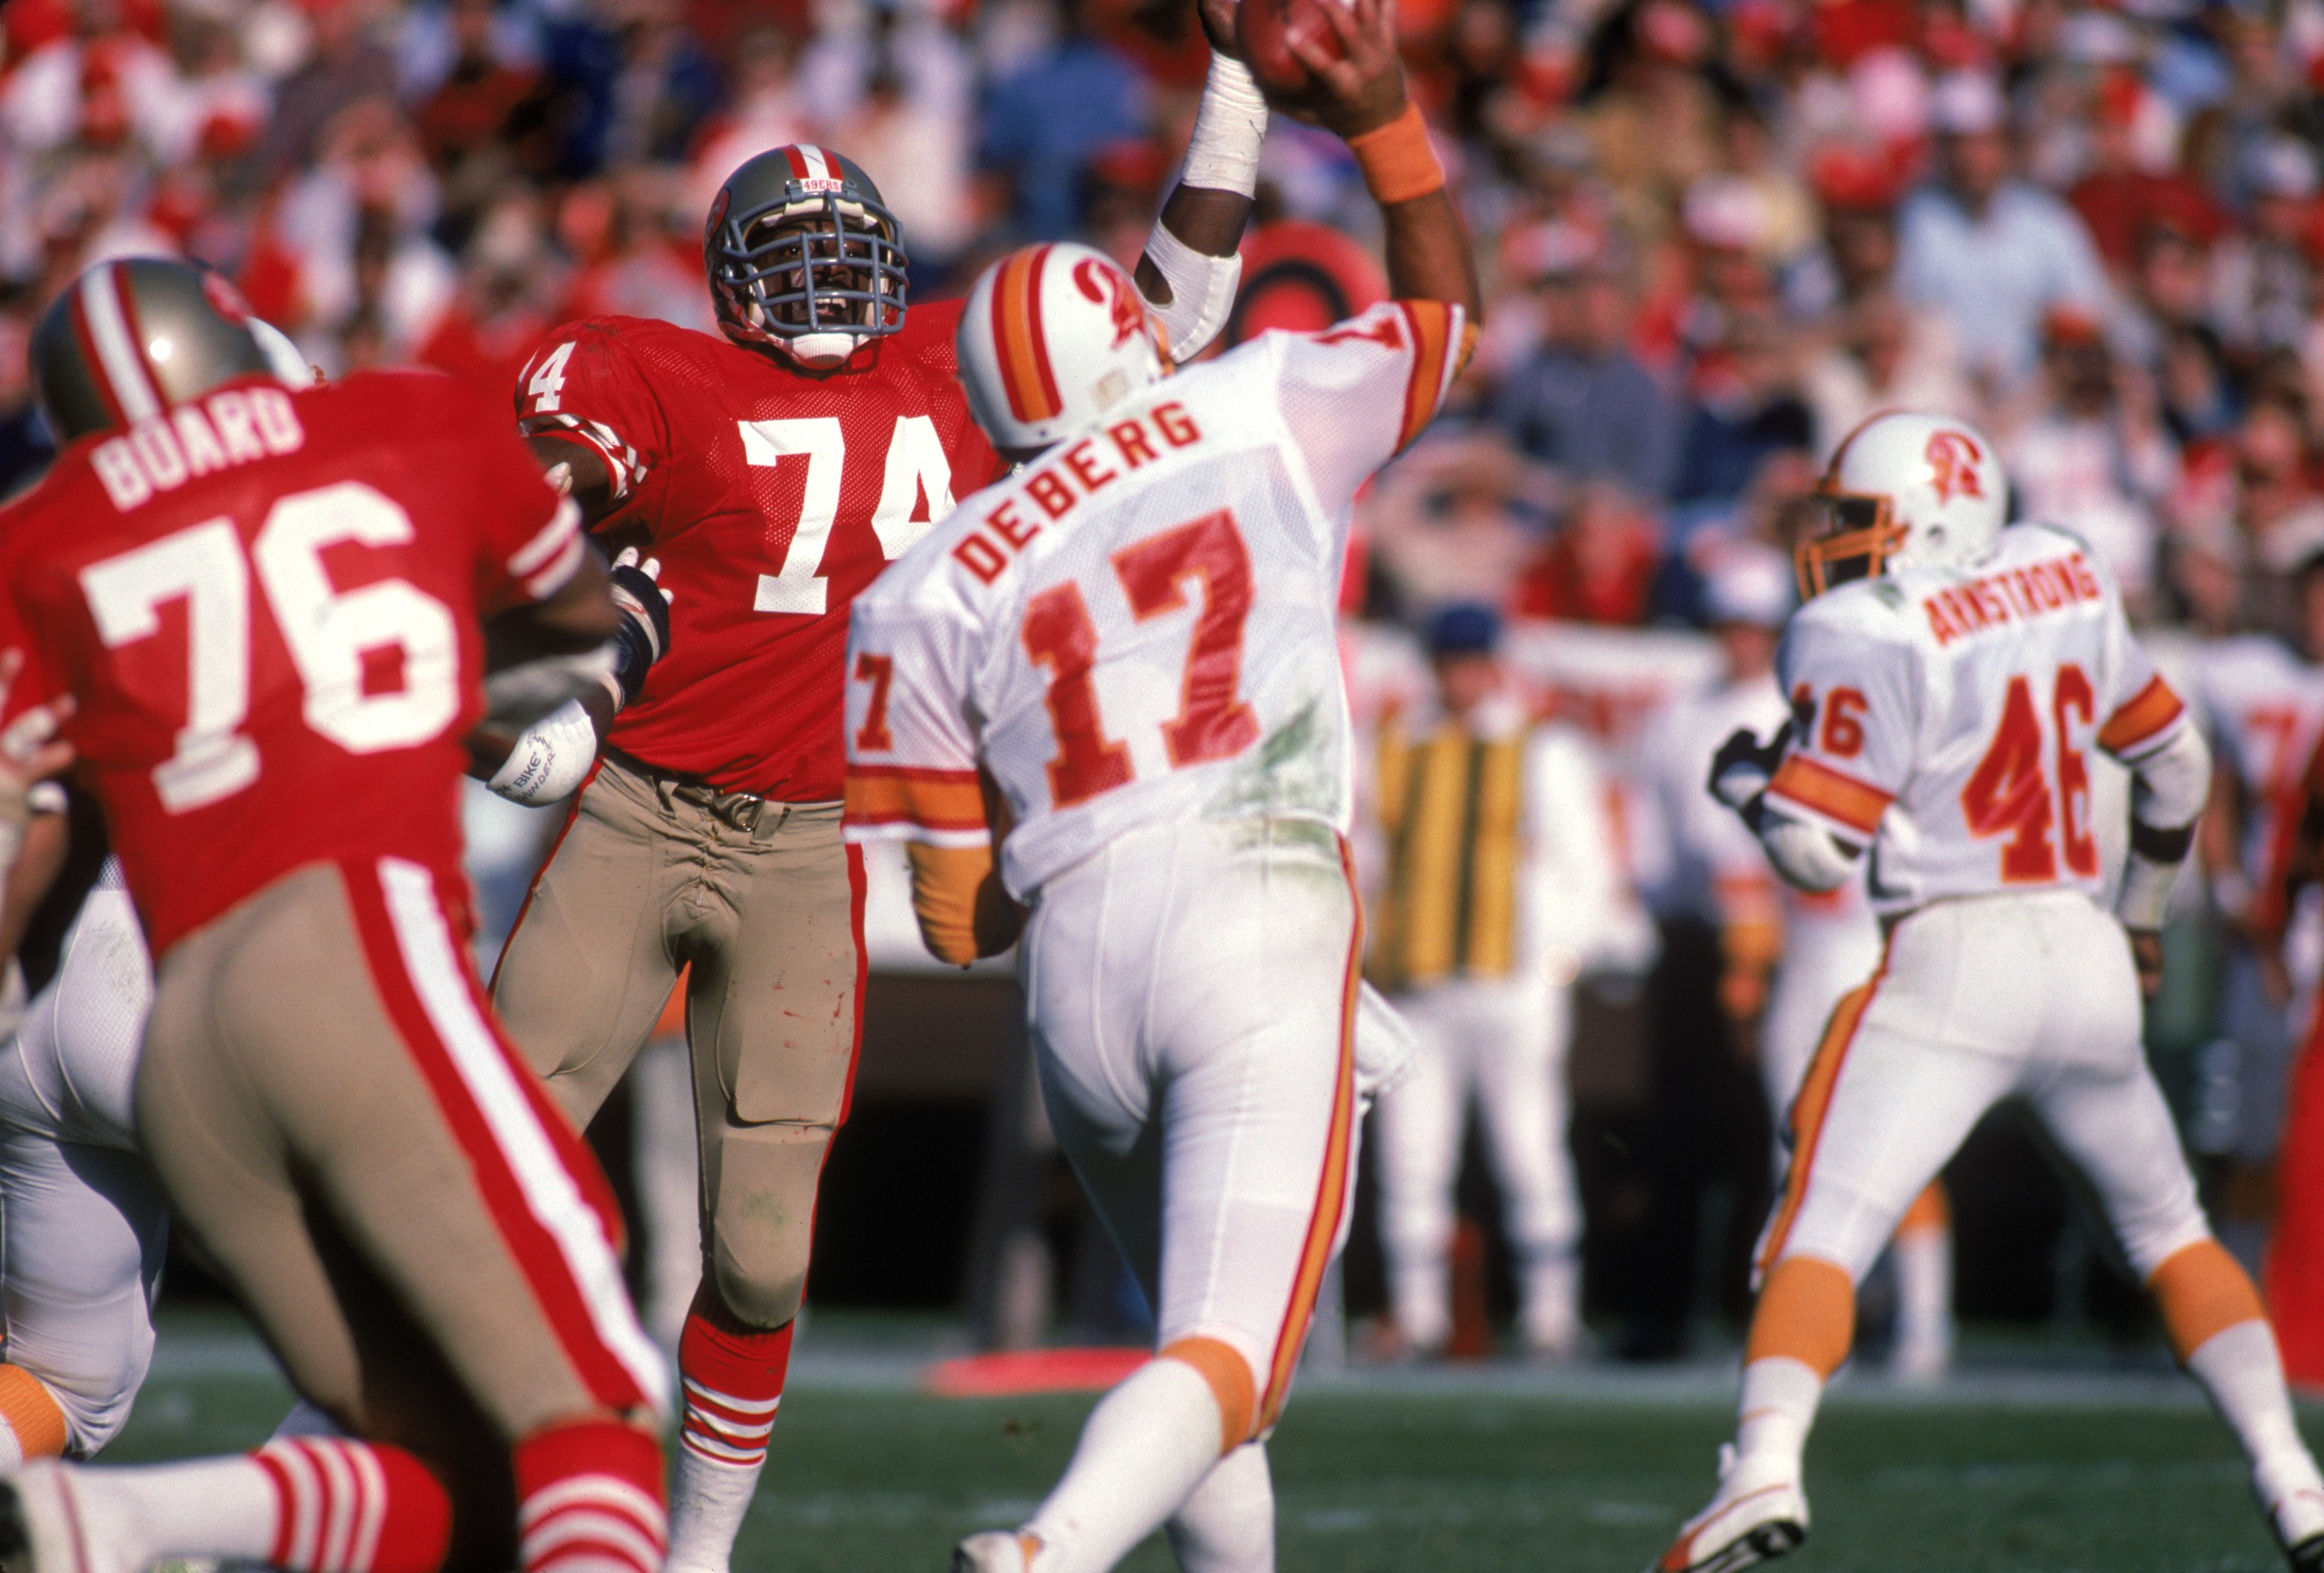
<point>1716,235</point>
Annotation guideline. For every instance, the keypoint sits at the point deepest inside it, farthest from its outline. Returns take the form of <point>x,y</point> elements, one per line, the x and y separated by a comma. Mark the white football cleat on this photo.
<point>1760,1515</point>
<point>2298,1521</point>
<point>45,1528</point>
<point>992,1551</point>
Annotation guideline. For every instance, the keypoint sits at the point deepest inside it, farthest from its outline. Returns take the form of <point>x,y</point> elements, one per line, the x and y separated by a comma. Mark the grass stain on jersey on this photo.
<point>1293,770</point>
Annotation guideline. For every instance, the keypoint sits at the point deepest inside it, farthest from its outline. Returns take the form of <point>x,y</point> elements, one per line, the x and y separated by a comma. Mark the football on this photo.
<point>1266,29</point>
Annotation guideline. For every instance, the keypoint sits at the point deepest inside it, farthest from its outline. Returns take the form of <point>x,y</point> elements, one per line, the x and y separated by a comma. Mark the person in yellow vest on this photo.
<point>1499,877</point>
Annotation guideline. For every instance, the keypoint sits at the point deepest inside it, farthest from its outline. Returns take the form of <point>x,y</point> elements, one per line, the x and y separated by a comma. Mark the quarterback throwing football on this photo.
<point>1120,668</point>
<point>772,472</point>
<point>1950,677</point>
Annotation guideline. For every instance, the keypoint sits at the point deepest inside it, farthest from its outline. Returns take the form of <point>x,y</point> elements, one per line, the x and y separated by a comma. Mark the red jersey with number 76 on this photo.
<point>268,604</point>
<point>772,497</point>
<point>1142,626</point>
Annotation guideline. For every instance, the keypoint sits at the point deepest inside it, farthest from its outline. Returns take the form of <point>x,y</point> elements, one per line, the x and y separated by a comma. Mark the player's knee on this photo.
<point>89,1361</point>
<point>1234,1379</point>
<point>2153,1236</point>
<point>765,1290</point>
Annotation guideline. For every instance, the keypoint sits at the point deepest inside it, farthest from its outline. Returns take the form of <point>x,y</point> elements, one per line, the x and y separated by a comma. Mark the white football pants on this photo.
<point>1190,990</point>
<point>1503,1042</point>
<point>1982,999</point>
<point>1823,959</point>
<point>83,1224</point>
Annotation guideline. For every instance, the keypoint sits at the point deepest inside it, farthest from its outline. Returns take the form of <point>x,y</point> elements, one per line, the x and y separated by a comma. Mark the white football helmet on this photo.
<point>1905,490</point>
<point>1054,337</point>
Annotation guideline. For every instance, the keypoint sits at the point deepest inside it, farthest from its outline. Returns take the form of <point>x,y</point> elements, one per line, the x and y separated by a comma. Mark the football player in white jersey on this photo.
<point>1976,667</point>
<point>2261,698</point>
<point>1119,670</point>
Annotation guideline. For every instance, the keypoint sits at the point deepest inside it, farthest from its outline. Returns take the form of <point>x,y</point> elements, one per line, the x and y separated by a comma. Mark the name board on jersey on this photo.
<point>162,452</point>
<point>2012,595</point>
<point>1081,469</point>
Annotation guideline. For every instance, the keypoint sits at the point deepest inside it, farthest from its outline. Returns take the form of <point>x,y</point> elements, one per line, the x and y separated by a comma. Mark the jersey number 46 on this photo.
<point>2009,793</point>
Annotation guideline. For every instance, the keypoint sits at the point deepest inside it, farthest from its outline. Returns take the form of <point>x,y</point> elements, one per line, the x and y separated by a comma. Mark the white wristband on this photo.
<point>2145,892</point>
<point>1223,154</point>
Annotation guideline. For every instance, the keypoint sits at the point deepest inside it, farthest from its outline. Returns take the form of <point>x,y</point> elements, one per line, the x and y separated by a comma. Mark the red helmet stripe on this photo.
<point>1018,340</point>
<point>120,361</point>
<point>795,157</point>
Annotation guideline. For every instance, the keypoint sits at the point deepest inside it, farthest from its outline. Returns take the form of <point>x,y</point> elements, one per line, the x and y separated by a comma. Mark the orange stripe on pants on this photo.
<point>1331,1189</point>
<point>1814,1103</point>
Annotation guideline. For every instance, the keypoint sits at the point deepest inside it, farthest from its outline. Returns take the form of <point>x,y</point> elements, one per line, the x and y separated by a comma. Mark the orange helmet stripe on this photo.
<point>1017,338</point>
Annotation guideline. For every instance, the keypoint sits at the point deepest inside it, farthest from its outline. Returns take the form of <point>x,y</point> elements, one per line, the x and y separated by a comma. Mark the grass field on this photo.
<point>1406,1476</point>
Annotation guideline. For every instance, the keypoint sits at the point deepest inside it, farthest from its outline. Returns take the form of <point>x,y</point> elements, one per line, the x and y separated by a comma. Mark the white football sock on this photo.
<point>2241,1369</point>
<point>1227,1525</point>
<point>1776,1409</point>
<point>207,1507</point>
<point>1924,1301</point>
<point>708,1500</point>
<point>1552,1313</point>
<point>1146,1446</point>
<point>1422,1301</point>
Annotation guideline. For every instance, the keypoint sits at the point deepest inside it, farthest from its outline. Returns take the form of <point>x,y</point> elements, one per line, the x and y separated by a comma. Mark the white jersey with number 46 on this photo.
<point>1140,627</point>
<point>1946,716</point>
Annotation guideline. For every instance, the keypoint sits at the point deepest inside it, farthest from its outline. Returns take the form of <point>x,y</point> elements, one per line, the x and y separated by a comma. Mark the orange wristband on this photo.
<point>1397,163</point>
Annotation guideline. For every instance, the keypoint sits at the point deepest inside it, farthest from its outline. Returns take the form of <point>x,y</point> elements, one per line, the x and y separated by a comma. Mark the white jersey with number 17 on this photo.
<point>1946,716</point>
<point>1140,625</point>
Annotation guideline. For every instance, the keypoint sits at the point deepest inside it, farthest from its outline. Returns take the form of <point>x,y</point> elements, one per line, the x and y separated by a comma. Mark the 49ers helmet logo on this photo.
<point>1103,285</point>
<point>1953,460</point>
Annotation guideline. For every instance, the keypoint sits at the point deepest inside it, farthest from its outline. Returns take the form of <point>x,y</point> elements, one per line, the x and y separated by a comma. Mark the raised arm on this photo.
<point>1361,96</point>
<point>1193,264</point>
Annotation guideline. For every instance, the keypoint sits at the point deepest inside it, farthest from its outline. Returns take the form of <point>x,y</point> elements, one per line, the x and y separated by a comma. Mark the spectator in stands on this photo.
<point>2262,277</point>
<point>345,60</point>
<point>468,115</point>
<point>2088,451</point>
<point>1985,248</point>
<point>1045,124</point>
<point>1582,401</point>
<point>1456,519</point>
<point>1599,565</point>
<point>1744,406</point>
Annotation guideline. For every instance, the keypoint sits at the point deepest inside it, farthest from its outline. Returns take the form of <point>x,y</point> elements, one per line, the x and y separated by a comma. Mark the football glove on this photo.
<point>643,637</point>
<point>1743,766</point>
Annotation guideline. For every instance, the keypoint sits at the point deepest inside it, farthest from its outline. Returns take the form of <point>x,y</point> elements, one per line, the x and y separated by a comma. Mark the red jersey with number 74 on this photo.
<point>1947,716</point>
<point>268,604</point>
<point>1142,626</point>
<point>771,498</point>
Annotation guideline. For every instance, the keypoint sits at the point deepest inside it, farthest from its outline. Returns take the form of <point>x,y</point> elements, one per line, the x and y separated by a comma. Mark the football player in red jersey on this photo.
<point>773,471</point>
<point>271,608</point>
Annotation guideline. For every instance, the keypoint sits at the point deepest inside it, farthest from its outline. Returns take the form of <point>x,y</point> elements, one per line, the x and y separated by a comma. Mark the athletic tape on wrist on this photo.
<point>2145,893</point>
<point>1229,125</point>
<point>1202,291</point>
<point>1397,163</point>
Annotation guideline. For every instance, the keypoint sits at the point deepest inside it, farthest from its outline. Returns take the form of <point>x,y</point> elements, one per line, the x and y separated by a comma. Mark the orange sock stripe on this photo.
<point>1228,1374</point>
<point>1331,1189</point>
<point>1931,1212</point>
<point>27,1404</point>
<point>2201,1292</point>
<point>1807,1313</point>
<point>1815,1101</point>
